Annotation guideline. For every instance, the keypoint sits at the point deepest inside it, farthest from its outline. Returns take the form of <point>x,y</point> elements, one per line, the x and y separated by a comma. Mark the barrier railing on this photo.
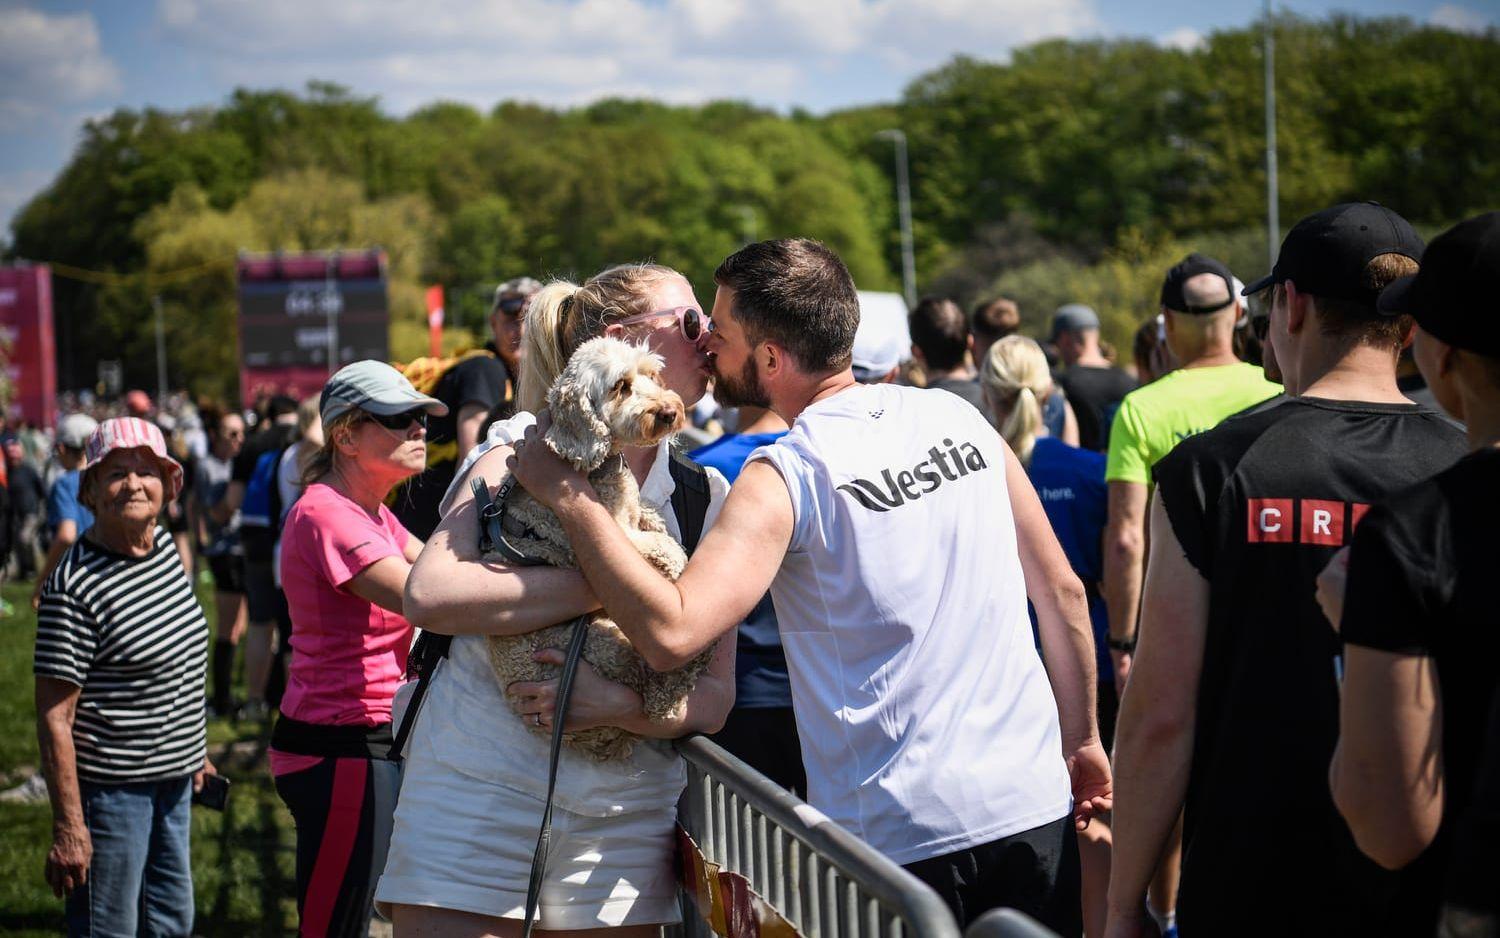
<point>808,872</point>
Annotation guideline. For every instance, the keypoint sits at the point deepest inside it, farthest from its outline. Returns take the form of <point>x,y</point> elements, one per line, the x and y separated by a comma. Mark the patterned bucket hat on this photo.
<point>130,433</point>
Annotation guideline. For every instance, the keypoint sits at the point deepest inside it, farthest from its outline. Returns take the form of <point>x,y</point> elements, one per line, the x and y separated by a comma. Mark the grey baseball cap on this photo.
<point>375,387</point>
<point>75,429</point>
<point>1073,317</point>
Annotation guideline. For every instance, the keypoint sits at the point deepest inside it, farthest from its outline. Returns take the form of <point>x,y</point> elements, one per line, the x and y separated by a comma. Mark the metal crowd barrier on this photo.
<point>813,875</point>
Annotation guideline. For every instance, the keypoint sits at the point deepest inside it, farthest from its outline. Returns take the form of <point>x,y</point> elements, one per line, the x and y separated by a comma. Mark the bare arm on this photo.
<point>453,591</point>
<point>1070,424</point>
<point>1124,554</point>
<point>72,849</point>
<point>1154,736</point>
<point>234,497</point>
<point>669,623</point>
<point>1062,614</point>
<point>1387,771</point>
<point>413,548</point>
<point>470,419</point>
<point>382,583</point>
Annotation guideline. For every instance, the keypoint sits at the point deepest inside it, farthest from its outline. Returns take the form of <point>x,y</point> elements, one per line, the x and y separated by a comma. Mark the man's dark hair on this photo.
<point>941,331</point>
<point>797,293</point>
<point>995,319</point>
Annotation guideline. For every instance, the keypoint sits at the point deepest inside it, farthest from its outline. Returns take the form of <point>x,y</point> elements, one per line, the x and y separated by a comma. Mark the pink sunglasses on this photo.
<point>690,319</point>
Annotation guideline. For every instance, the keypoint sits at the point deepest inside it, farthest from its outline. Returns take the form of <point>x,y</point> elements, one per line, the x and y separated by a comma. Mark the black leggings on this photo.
<point>343,808</point>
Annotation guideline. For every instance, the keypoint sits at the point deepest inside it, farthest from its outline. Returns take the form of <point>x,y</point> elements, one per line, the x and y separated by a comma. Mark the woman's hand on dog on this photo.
<point>596,701</point>
<point>542,472</point>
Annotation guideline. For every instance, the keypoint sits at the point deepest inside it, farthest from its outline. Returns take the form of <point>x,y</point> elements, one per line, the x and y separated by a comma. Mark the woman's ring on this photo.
<point>538,718</point>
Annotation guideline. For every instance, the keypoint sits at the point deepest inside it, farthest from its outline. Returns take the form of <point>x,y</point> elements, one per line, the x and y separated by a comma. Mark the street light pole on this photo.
<point>1273,202</point>
<point>161,352</point>
<point>903,205</point>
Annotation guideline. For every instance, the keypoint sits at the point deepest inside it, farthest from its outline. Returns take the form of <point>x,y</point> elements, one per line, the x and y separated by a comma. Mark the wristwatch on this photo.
<point>1126,645</point>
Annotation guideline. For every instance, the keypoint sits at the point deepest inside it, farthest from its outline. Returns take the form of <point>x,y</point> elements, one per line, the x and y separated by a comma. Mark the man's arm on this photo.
<point>470,419</point>
<point>1062,615</point>
<point>72,850</point>
<point>1154,734</point>
<point>1124,551</point>
<point>669,623</point>
<point>1387,771</point>
<point>452,590</point>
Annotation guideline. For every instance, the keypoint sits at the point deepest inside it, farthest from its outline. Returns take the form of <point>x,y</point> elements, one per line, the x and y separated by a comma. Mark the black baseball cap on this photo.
<point>1453,295</point>
<point>1188,268</point>
<point>1325,254</point>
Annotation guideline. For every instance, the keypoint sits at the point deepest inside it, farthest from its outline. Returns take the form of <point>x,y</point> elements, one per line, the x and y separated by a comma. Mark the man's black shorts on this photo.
<point>1035,871</point>
<point>229,573</point>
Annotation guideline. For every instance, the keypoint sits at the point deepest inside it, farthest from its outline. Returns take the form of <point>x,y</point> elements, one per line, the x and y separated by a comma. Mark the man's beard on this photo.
<point>742,390</point>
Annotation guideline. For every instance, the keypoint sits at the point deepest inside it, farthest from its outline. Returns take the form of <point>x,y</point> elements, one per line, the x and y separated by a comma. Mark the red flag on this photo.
<point>435,321</point>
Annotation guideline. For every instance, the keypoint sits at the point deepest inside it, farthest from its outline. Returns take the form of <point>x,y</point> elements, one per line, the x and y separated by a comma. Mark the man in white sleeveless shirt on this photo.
<point>900,539</point>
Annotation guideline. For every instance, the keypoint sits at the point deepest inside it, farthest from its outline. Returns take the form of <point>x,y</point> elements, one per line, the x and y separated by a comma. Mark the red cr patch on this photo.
<point>1322,522</point>
<point>1270,521</point>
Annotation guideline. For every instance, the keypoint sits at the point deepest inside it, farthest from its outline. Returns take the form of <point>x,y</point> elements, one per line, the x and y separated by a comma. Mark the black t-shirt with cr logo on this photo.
<point>1260,504</point>
<point>1422,582</point>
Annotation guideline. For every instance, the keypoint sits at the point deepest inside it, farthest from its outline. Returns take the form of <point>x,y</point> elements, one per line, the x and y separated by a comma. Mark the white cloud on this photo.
<point>1460,19</point>
<point>568,51</point>
<point>1186,39</point>
<point>48,61</point>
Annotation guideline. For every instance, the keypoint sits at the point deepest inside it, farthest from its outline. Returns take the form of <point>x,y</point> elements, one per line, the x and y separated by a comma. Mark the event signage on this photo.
<point>26,341</point>
<point>303,316</point>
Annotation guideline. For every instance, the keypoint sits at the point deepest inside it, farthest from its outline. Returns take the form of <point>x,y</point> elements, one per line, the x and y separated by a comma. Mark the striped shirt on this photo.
<point>130,633</point>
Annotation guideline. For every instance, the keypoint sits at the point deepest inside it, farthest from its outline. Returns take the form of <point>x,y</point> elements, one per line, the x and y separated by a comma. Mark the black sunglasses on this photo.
<point>400,422</point>
<point>1261,326</point>
<point>511,305</point>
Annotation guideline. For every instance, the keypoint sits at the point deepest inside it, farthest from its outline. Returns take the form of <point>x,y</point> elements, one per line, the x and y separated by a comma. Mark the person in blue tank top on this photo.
<point>1070,483</point>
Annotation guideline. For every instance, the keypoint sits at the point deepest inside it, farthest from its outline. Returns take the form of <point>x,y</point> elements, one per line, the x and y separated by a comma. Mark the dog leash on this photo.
<point>493,539</point>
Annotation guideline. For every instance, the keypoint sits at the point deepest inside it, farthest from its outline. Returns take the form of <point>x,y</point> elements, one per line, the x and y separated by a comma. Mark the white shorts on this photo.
<point>464,843</point>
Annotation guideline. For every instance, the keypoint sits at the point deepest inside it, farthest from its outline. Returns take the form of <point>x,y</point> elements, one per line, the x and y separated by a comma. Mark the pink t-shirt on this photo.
<point>348,654</point>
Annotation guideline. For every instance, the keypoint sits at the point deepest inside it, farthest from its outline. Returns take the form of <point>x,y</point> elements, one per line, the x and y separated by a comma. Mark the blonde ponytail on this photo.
<point>564,315</point>
<point>1015,380</point>
<point>542,357</point>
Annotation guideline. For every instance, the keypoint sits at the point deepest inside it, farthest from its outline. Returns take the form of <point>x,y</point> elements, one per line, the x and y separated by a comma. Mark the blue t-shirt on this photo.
<point>63,504</point>
<point>1070,483</point>
<point>760,675</point>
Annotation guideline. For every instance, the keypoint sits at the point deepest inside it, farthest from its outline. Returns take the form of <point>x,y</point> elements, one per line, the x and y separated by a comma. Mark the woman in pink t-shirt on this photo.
<point>344,563</point>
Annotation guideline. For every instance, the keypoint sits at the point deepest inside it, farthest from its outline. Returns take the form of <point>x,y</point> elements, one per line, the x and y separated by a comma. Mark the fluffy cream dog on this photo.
<point>609,396</point>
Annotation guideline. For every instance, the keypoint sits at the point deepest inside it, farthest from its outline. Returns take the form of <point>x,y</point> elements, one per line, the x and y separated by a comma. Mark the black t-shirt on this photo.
<point>1095,393</point>
<point>479,380</point>
<point>966,388</point>
<point>26,491</point>
<point>1260,504</point>
<point>1422,582</point>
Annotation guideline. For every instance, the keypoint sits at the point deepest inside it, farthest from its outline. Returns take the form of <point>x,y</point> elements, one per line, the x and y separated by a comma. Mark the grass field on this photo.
<point>243,860</point>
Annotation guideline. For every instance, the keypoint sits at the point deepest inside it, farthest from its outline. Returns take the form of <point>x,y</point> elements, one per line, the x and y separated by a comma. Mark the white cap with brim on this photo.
<point>375,387</point>
<point>883,339</point>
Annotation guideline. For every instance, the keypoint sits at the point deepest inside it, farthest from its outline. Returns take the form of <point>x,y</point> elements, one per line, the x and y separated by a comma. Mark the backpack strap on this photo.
<point>690,498</point>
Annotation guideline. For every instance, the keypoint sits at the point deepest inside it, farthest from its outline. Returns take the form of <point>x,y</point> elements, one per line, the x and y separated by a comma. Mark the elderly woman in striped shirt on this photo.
<point>120,659</point>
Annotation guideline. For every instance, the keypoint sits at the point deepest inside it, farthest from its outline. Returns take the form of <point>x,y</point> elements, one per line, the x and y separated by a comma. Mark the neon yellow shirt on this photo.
<point>1155,418</point>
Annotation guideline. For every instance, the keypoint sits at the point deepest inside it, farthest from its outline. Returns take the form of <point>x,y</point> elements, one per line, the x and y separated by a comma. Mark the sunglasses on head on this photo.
<point>400,422</point>
<point>690,319</point>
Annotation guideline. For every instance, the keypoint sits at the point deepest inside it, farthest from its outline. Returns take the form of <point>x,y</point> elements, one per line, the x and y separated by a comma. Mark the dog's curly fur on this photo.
<point>609,396</point>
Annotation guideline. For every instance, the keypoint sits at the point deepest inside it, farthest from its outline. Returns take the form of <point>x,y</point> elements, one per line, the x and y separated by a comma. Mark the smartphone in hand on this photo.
<point>214,793</point>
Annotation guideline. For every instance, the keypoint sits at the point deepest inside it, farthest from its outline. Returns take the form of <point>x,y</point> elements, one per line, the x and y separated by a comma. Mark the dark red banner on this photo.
<point>26,335</point>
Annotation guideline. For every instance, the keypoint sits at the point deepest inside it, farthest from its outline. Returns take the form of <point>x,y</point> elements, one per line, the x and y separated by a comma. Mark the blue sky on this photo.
<point>63,62</point>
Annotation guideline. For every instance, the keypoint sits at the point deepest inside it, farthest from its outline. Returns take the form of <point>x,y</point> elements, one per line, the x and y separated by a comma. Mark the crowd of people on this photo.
<point>1193,642</point>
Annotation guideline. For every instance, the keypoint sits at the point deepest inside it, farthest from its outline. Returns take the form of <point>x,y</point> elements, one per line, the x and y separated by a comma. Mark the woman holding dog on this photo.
<point>476,773</point>
<point>344,563</point>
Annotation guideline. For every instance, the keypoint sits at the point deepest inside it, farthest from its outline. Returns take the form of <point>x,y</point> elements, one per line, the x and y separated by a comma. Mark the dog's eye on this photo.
<point>621,388</point>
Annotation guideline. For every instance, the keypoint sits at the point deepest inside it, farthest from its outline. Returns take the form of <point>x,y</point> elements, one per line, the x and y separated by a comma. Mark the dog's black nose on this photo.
<point>667,416</point>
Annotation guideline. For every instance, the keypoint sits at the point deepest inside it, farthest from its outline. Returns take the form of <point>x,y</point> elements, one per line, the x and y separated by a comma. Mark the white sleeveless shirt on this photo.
<point>926,719</point>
